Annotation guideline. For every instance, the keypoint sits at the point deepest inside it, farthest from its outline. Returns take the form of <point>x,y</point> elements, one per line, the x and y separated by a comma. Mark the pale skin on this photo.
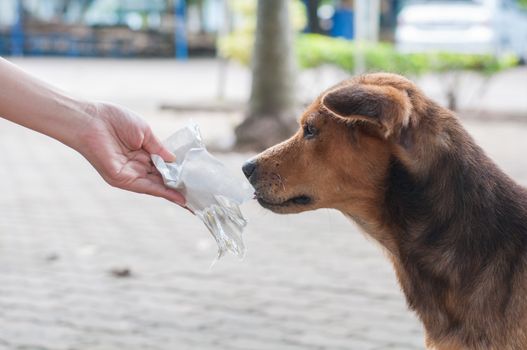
<point>116,141</point>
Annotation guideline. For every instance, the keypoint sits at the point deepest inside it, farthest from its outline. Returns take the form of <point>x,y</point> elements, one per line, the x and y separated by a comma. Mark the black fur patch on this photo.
<point>465,216</point>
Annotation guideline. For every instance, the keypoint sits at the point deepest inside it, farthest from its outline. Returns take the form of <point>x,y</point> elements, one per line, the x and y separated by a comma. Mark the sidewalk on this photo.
<point>309,281</point>
<point>155,82</point>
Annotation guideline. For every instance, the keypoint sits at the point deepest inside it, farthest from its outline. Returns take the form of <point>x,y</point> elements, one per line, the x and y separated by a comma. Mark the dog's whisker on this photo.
<point>281,180</point>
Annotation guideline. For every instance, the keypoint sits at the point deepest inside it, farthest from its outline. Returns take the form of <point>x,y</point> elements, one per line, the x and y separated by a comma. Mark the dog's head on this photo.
<point>340,155</point>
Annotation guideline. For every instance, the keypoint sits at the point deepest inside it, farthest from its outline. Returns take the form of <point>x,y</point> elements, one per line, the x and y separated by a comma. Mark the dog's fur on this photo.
<point>454,225</point>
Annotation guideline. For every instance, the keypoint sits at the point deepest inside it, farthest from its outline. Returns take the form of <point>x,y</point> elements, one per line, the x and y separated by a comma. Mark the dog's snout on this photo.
<point>249,167</point>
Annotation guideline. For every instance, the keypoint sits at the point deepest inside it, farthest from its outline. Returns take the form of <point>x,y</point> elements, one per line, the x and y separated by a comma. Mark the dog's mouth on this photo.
<point>300,200</point>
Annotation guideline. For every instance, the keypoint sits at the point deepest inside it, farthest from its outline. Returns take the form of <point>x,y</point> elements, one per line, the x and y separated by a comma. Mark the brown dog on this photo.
<point>455,226</point>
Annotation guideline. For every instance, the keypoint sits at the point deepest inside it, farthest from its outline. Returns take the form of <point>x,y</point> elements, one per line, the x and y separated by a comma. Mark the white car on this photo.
<point>467,26</point>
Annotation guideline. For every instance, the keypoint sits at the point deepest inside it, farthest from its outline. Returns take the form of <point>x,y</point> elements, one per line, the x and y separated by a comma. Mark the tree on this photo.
<point>272,106</point>
<point>312,16</point>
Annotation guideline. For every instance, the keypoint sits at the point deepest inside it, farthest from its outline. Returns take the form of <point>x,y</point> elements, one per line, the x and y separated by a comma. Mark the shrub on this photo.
<point>314,50</point>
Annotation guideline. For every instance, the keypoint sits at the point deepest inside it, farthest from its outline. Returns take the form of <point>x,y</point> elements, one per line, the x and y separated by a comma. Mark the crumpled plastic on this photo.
<point>211,191</point>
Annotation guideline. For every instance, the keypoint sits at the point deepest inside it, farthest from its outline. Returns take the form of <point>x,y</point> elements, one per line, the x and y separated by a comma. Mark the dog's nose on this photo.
<point>249,167</point>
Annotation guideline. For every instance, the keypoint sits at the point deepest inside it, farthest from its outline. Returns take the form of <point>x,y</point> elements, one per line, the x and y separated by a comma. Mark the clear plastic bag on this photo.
<point>211,191</point>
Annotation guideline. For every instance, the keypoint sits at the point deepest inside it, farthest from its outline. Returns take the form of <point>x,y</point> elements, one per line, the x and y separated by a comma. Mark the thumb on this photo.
<point>152,145</point>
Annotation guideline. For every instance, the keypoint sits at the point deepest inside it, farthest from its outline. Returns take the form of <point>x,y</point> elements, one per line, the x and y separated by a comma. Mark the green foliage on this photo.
<point>315,50</point>
<point>244,15</point>
<point>486,64</point>
<point>238,45</point>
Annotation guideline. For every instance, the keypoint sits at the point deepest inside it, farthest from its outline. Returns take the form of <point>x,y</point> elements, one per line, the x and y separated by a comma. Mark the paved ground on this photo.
<point>309,281</point>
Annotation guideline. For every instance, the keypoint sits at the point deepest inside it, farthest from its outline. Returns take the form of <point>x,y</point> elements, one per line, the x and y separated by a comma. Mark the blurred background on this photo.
<point>86,266</point>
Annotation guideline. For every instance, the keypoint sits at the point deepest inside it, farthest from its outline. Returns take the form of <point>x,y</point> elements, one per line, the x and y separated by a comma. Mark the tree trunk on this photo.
<point>312,16</point>
<point>271,115</point>
<point>452,82</point>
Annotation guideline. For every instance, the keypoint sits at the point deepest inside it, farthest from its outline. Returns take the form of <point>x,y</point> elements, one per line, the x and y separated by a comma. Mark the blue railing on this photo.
<point>180,33</point>
<point>16,41</point>
<point>61,44</point>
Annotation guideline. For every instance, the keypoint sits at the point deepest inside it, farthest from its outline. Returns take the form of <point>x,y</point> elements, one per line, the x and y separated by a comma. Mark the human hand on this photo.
<point>118,143</point>
<point>114,140</point>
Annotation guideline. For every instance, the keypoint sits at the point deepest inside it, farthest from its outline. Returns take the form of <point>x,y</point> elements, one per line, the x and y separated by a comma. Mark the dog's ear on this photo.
<point>384,106</point>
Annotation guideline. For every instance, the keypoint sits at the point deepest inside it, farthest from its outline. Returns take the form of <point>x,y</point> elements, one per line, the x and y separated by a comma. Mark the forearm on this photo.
<point>36,105</point>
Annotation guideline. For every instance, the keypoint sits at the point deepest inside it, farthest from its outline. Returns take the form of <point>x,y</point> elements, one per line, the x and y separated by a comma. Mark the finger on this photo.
<point>152,145</point>
<point>152,184</point>
<point>171,195</point>
<point>186,207</point>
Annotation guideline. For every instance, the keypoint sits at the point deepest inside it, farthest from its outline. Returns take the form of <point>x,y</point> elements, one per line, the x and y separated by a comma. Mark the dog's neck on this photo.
<point>450,221</point>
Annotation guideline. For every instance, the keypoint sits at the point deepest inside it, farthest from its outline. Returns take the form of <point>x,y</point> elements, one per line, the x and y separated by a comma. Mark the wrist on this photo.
<point>72,117</point>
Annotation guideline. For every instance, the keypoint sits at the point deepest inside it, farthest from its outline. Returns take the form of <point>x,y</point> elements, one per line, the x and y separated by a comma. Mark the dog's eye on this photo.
<point>309,131</point>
